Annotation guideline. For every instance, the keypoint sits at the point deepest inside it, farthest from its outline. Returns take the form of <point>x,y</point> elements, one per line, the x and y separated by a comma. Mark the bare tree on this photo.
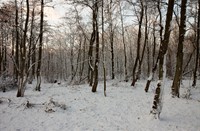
<point>197,48</point>
<point>157,102</point>
<point>96,64</point>
<point>135,75</point>
<point>38,73</point>
<point>179,58</point>
<point>22,70</point>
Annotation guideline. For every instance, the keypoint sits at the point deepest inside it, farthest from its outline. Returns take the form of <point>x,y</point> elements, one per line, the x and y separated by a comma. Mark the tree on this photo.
<point>38,86</point>
<point>103,48</point>
<point>17,41</point>
<point>179,58</point>
<point>124,44</point>
<point>154,67</point>
<point>135,75</point>
<point>197,48</point>
<point>96,64</point>
<point>22,70</point>
<point>111,38</point>
<point>157,102</point>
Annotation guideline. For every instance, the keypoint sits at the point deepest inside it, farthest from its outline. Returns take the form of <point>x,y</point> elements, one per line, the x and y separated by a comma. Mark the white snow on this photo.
<point>125,109</point>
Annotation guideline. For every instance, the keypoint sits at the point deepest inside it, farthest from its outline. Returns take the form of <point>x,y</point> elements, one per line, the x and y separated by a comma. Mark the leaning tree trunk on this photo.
<point>145,44</point>
<point>157,102</point>
<point>94,86</point>
<point>197,49</point>
<point>138,46</point>
<point>38,86</point>
<point>179,58</point>
<point>154,67</point>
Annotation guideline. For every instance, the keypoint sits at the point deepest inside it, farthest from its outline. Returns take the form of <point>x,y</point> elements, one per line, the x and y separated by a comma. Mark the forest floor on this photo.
<point>75,108</point>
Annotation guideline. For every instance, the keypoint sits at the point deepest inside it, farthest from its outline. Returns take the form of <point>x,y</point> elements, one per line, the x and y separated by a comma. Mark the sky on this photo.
<point>55,13</point>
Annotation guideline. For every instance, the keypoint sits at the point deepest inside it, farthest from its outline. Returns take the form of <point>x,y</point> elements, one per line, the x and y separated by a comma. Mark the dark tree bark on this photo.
<point>90,52</point>
<point>145,43</point>
<point>134,75</point>
<point>38,86</point>
<point>72,56</point>
<point>103,48</point>
<point>22,69</point>
<point>157,102</point>
<point>179,57</point>
<point>94,86</point>
<point>17,41</point>
<point>197,49</point>
<point>111,41</point>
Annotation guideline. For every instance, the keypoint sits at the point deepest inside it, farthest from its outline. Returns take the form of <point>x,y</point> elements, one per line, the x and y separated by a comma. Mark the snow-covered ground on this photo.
<point>76,108</point>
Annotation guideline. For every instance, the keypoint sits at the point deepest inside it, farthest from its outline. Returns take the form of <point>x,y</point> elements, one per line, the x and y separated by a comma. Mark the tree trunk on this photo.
<point>179,58</point>
<point>17,42</point>
<point>145,44</point>
<point>94,87</point>
<point>103,49</point>
<point>72,57</point>
<point>22,69</point>
<point>83,63</point>
<point>197,49</point>
<point>155,63</point>
<point>90,52</point>
<point>38,86</point>
<point>138,46</point>
<point>123,40</point>
<point>157,102</point>
<point>111,41</point>
<point>30,53</point>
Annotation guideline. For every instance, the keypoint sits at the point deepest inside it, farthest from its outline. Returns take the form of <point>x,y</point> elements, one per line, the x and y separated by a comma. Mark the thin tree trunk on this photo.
<point>30,53</point>
<point>123,40</point>
<point>155,63</point>
<point>72,56</point>
<point>103,49</point>
<point>17,41</point>
<point>145,44</point>
<point>138,46</point>
<point>38,86</point>
<point>83,63</point>
<point>111,41</point>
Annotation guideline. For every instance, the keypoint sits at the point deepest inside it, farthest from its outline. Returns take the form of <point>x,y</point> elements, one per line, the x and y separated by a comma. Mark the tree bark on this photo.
<point>22,69</point>
<point>111,41</point>
<point>138,46</point>
<point>38,86</point>
<point>103,49</point>
<point>94,86</point>
<point>123,41</point>
<point>197,49</point>
<point>157,102</point>
<point>179,58</point>
<point>17,41</point>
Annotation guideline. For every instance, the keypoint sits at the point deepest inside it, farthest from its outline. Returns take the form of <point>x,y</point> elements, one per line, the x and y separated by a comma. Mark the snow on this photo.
<point>125,108</point>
